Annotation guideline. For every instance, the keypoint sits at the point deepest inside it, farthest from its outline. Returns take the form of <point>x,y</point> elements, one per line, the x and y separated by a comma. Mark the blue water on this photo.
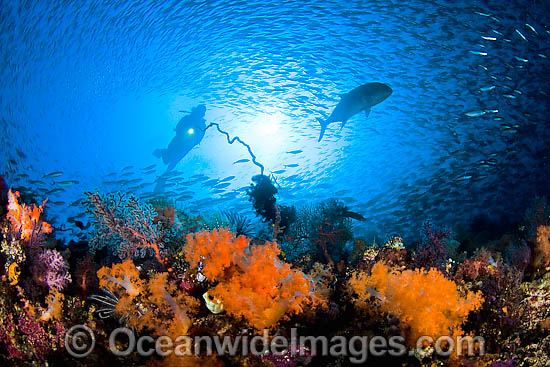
<point>90,87</point>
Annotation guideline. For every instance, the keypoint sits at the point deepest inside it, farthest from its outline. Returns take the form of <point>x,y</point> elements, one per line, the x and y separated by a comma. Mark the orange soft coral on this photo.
<point>153,304</point>
<point>424,300</point>
<point>55,306</point>
<point>253,283</point>
<point>26,219</point>
<point>119,277</point>
<point>216,250</point>
<point>175,309</point>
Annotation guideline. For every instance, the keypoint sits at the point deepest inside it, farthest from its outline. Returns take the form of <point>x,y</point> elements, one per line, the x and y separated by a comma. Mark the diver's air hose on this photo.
<point>231,141</point>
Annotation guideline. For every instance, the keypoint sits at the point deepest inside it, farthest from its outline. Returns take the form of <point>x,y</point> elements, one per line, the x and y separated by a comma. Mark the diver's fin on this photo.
<point>367,111</point>
<point>324,124</point>
<point>159,153</point>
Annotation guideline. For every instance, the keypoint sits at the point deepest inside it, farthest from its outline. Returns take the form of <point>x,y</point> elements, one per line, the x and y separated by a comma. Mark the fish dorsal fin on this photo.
<point>367,112</point>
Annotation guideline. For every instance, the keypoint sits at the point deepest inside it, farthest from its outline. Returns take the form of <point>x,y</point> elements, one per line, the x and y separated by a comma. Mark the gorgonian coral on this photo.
<point>323,230</point>
<point>432,252</point>
<point>125,225</point>
<point>423,300</point>
<point>251,281</point>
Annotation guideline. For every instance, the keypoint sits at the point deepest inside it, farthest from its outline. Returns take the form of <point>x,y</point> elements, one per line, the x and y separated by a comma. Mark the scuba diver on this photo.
<point>189,133</point>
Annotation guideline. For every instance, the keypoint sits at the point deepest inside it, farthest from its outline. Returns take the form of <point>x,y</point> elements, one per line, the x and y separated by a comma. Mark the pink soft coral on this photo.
<point>51,269</point>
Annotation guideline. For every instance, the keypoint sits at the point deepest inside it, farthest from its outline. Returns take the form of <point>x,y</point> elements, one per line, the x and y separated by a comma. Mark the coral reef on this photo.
<point>25,220</point>
<point>161,271</point>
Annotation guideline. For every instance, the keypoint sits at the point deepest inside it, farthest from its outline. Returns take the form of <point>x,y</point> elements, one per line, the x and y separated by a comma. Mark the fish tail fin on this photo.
<point>324,124</point>
<point>159,153</point>
<point>343,124</point>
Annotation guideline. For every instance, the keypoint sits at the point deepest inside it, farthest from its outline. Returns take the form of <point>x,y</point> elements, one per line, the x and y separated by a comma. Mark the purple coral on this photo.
<point>301,356</point>
<point>507,363</point>
<point>7,331</point>
<point>51,269</point>
<point>24,337</point>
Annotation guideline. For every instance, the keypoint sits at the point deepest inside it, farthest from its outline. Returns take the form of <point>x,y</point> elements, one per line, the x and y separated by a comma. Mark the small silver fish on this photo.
<point>53,174</point>
<point>244,160</point>
<point>521,34</point>
<point>67,183</point>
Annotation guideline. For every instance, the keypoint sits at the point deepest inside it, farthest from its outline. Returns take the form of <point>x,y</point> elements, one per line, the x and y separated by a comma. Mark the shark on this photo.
<point>362,98</point>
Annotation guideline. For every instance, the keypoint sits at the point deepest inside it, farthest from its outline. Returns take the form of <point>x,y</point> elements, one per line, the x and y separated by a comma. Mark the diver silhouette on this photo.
<point>189,133</point>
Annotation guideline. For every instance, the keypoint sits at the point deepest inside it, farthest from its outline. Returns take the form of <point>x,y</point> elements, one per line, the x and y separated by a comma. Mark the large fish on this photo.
<point>359,99</point>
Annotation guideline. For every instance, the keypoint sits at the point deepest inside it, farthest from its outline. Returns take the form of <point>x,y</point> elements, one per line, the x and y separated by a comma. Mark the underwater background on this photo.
<point>92,87</point>
<point>457,156</point>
